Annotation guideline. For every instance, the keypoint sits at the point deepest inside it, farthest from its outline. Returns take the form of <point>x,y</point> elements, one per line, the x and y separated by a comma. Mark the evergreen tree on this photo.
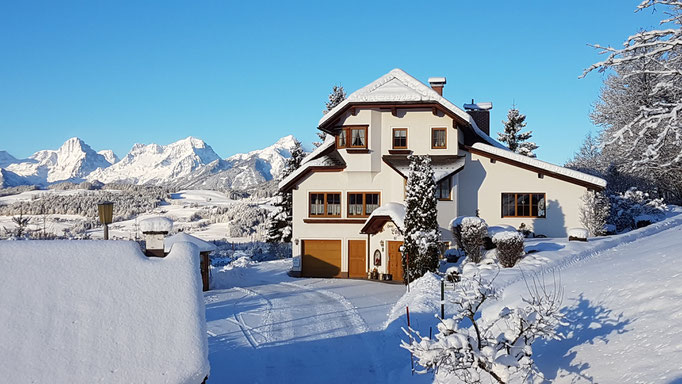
<point>594,212</point>
<point>279,222</point>
<point>588,159</point>
<point>422,234</point>
<point>516,141</point>
<point>337,95</point>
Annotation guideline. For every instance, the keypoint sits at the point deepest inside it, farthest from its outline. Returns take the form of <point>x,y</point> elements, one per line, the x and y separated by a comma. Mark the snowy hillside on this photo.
<point>73,161</point>
<point>187,163</point>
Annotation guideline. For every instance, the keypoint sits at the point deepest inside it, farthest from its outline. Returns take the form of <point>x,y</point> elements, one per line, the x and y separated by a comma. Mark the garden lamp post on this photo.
<point>106,215</point>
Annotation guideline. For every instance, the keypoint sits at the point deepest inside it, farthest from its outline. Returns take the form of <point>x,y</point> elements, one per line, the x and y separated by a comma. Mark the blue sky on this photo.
<point>242,74</point>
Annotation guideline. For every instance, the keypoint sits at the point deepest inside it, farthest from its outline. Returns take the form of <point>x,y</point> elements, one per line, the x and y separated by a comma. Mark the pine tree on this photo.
<point>279,223</point>
<point>588,159</point>
<point>422,234</point>
<point>516,141</point>
<point>337,95</point>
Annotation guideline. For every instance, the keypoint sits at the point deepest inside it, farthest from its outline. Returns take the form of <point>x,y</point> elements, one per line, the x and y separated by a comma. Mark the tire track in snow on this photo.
<point>246,329</point>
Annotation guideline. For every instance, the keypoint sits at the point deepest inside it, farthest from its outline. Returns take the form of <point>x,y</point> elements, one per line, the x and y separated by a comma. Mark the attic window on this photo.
<point>438,138</point>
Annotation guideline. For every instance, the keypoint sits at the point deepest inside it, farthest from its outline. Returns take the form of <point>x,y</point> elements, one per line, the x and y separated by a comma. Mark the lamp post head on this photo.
<point>106,212</point>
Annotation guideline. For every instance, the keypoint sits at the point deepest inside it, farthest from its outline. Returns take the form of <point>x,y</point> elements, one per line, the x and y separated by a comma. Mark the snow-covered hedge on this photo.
<point>634,209</point>
<point>509,247</point>
<point>474,232</point>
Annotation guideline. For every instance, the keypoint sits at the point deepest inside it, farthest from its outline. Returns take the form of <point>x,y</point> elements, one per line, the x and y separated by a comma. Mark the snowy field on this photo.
<point>621,300</point>
<point>180,207</point>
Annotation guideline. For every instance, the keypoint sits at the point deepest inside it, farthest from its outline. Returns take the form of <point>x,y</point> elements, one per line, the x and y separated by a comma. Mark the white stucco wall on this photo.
<point>367,172</point>
<point>482,182</point>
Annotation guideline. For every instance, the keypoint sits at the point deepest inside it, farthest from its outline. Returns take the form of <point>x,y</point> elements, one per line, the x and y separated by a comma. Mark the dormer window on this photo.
<point>341,139</point>
<point>438,138</point>
<point>399,138</point>
<point>352,137</point>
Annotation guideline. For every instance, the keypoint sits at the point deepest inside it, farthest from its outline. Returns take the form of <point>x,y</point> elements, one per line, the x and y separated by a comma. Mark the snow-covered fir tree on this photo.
<point>279,223</point>
<point>337,95</point>
<point>640,107</point>
<point>422,234</point>
<point>515,139</point>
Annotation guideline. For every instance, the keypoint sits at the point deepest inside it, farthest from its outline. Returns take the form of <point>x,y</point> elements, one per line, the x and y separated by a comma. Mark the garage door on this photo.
<point>321,258</point>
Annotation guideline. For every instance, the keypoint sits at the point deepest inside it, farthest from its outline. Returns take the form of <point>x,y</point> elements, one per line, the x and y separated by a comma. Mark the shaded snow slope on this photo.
<point>100,311</point>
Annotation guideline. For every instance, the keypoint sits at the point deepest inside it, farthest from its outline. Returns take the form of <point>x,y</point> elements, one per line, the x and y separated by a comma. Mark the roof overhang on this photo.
<point>586,181</point>
<point>374,224</point>
<point>443,165</point>
<point>330,125</point>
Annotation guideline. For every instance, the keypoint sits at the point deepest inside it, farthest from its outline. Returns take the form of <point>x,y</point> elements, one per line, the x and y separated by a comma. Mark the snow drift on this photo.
<point>100,311</point>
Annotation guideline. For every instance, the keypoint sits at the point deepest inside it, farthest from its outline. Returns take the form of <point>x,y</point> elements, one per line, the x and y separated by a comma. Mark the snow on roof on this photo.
<point>479,106</point>
<point>315,159</point>
<point>170,241</point>
<point>442,165</point>
<point>540,164</point>
<point>156,224</point>
<point>398,86</point>
<point>100,311</point>
<point>395,211</point>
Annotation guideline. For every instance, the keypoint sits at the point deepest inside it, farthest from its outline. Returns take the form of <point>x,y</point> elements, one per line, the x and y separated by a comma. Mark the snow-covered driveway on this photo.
<point>272,328</point>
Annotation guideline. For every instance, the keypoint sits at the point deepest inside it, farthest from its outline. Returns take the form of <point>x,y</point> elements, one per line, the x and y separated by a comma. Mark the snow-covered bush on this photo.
<point>509,247</point>
<point>456,228</point>
<point>474,231</point>
<point>631,209</point>
<point>579,234</point>
<point>473,346</point>
<point>594,212</point>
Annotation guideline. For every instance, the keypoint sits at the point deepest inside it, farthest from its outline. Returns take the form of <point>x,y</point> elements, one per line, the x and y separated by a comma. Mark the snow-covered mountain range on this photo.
<point>187,163</point>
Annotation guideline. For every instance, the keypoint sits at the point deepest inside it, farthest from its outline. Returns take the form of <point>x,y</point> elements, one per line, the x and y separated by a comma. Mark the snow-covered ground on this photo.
<point>180,207</point>
<point>621,300</point>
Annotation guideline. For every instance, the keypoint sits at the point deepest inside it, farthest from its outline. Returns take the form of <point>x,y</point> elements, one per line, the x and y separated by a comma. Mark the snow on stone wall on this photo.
<point>100,311</point>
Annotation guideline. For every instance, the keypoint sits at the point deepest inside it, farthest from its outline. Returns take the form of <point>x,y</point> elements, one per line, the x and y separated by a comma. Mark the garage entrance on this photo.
<point>321,258</point>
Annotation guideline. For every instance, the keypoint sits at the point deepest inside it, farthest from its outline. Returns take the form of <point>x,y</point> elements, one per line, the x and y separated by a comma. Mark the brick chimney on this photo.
<point>437,83</point>
<point>480,112</point>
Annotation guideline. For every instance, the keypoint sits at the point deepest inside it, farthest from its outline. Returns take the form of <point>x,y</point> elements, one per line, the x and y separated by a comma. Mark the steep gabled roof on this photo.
<point>507,156</point>
<point>397,87</point>
<point>323,157</point>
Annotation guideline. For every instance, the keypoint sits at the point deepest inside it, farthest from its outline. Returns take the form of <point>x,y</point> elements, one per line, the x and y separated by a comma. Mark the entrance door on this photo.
<point>357,259</point>
<point>395,260</point>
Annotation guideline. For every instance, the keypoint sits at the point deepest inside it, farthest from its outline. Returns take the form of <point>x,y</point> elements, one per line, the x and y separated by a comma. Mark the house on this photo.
<point>100,312</point>
<point>347,194</point>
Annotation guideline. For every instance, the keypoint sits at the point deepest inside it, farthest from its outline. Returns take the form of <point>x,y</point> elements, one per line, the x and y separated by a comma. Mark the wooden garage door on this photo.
<point>357,262</point>
<point>321,258</point>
